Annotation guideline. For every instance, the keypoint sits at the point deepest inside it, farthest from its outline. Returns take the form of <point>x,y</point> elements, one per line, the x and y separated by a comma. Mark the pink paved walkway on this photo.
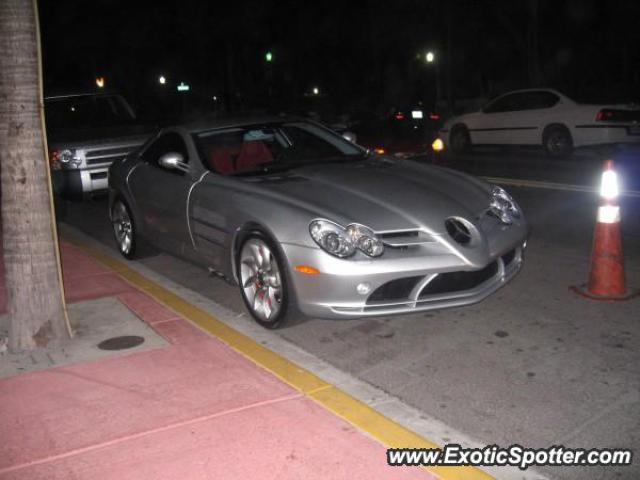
<point>192,410</point>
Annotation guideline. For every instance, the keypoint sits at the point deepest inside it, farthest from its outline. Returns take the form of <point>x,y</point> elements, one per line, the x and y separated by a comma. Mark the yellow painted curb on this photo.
<point>355,412</point>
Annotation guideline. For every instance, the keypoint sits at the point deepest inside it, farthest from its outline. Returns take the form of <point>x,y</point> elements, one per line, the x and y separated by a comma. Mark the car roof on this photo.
<point>540,89</point>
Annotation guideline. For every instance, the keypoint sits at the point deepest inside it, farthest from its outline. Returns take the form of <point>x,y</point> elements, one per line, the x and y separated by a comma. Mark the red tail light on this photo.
<point>434,116</point>
<point>399,116</point>
<point>604,115</point>
<point>54,160</point>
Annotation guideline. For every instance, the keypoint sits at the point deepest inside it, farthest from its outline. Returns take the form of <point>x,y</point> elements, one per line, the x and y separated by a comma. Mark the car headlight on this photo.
<point>69,159</point>
<point>343,242</point>
<point>503,206</point>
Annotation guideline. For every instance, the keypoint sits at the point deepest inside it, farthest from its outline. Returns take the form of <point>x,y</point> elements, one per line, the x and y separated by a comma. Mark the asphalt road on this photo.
<point>582,168</point>
<point>533,364</point>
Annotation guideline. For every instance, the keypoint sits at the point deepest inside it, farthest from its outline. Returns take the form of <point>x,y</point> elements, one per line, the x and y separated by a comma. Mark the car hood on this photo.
<point>384,195</point>
<point>93,136</point>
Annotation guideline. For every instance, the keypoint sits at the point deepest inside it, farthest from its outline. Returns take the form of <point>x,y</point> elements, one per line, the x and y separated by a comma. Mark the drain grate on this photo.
<point>121,343</point>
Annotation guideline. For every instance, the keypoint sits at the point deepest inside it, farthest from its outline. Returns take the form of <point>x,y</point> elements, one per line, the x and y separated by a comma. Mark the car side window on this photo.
<point>169,142</point>
<point>506,103</point>
<point>539,100</point>
<point>228,152</point>
<point>522,101</point>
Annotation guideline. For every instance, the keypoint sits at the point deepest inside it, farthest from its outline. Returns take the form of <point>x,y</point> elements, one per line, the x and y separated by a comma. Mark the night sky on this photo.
<point>361,54</point>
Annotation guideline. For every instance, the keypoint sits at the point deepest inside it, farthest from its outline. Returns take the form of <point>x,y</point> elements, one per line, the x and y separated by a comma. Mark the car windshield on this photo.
<point>87,111</point>
<point>256,150</point>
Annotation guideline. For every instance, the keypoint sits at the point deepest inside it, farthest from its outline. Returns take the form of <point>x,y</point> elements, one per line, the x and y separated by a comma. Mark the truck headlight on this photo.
<point>343,242</point>
<point>69,159</point>
<point>503,206</point>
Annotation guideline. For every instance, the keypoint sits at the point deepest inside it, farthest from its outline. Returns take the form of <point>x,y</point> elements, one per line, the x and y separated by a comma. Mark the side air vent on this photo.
<point>405,238</point>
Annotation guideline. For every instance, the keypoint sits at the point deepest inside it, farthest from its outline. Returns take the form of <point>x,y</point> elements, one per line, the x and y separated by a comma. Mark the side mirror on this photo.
<point>173,161</point>
<point>350,136</point>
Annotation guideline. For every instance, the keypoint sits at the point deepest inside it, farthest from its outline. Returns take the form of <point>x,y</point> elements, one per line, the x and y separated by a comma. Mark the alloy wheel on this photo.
<point>123,228</point>
<point>261,280</point>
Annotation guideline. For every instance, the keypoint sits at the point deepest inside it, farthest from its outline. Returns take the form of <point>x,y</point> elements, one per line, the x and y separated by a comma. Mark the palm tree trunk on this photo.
<point>35,299</point>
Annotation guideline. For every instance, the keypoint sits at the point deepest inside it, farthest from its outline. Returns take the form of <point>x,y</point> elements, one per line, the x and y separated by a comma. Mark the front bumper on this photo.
<point>397,285</point>
<point>78,183</point>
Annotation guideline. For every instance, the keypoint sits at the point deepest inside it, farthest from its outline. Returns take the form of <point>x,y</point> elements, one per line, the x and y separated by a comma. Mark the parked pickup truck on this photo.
<point>86,133</point>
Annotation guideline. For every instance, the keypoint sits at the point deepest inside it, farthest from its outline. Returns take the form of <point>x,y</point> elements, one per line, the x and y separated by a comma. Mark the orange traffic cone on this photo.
<point>607,279</point>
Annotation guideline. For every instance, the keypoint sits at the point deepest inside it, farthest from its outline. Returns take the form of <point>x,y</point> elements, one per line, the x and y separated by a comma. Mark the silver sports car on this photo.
<point>300,217</point>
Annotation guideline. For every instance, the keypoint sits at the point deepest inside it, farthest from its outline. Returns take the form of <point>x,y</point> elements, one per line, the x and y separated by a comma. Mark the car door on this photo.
<point>497,123</point>
<point>535,108</point>
<point>161,192</point>
<point>226,152</point>
<point>488,124</point>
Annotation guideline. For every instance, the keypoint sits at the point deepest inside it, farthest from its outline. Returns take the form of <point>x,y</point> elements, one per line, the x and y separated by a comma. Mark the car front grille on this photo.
<point>99,160</point>
<point>459,281</point>
<point>508,257</point>
<point>107,155</point>
<point>394,290</point>
<point>400,290</point>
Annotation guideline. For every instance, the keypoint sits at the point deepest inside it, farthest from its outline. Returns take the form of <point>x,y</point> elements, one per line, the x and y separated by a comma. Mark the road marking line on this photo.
<point>336,401</point>
<point>517,182</point>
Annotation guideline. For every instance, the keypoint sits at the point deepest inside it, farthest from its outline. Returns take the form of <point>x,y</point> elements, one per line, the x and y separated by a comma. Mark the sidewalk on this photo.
<point>193,409</point>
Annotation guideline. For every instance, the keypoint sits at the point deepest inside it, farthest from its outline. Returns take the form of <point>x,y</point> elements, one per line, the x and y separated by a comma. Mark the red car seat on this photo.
<point>252,155</point>
<point>222,160</point>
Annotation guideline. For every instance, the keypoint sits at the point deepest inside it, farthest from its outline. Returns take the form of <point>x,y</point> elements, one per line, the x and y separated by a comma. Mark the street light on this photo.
<point>162,80</point>
<point>430,58</point>
<point>100,82</point>
<point>268,57</point>
<point>316,91</point>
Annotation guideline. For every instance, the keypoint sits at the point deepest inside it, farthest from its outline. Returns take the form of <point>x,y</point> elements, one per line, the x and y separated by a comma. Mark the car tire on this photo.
<point>557,141</point>
<point>124,229</point>
<point>460,139</point>
<point>263,282</point>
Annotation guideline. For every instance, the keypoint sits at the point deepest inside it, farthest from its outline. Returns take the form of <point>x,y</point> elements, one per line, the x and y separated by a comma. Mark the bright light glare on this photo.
<point>100,82</point>
<point>162,80</point>
<point>416,114</point>
<point>437,145</point>
<point>609,186</point>
<point>268,56</point>
<point>608,214</point>
<point>429,57</point>
<point>316,90</point>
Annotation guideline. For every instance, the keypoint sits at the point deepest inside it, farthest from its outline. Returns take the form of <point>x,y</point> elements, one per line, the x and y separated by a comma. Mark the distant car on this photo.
<point>298,216</point>
<point>85,134</point>
<point>543,117</point>
<point>404,132</point>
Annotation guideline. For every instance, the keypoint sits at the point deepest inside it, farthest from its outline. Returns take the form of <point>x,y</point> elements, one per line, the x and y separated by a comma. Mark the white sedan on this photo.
<point>543,117</point>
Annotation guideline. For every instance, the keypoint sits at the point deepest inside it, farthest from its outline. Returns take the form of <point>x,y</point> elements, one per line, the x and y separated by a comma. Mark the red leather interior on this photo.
<point>252,155</point>
<point>222,160</point>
